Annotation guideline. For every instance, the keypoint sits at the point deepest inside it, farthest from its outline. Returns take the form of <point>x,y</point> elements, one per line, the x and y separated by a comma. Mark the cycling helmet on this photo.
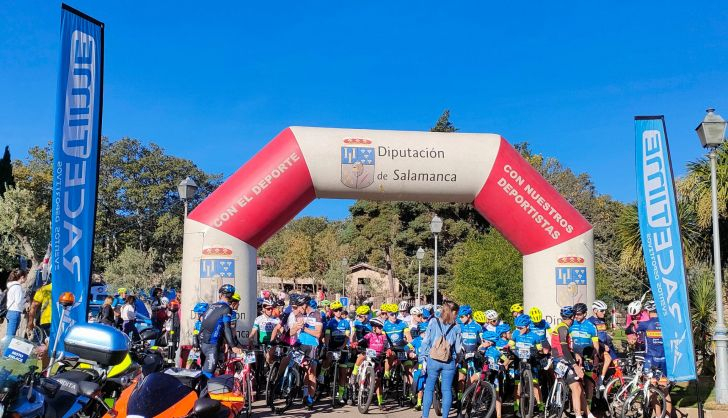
<point>535,314</point>
<point>523,320</point>
<point>280,303</point>
<point>302,300</point>
<point>336,305</point>
<point>200,308</point>
<point>376,322</point>
<point>580,308</point>
<point>312,303</point>
<point>265,294</point>
<point>426,313</point>
<point>599,305</point>
<point>404,306</point>
<point>491,315</point>
<point>650,306</point>
<point>325,303</point>
<point>226,290</point>
<point>516,307</point>
<point>383,307</point>
<point>363,310</point>
<point>236,297</point>
<point>490,336</point>
<point>391,308</point>
<point>567,312</point>
<point>465,310</point>
<point>479,317</point>
<point>416,310</point>
<point>634,308</point>
<point>121,290</point>
<point>500,329</point>
<point>267,302</point>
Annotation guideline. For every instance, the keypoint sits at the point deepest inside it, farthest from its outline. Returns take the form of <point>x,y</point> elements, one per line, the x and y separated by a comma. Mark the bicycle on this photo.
<point>271,373</point>
<point>645,397</point>
<point>559,399</point>
<point>240,398</point>
<point>289,384</point>
<point>479,397</point>
<point>525,376</point>
<point>396,386</point>
<point>624,370</point>
<point>370,371</point>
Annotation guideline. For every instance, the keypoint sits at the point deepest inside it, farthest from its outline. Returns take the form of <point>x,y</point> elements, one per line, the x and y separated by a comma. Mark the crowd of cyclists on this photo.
<point>329,348</point>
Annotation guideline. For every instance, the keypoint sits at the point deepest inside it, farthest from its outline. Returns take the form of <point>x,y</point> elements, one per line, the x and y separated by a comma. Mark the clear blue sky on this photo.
<point>214,82</point>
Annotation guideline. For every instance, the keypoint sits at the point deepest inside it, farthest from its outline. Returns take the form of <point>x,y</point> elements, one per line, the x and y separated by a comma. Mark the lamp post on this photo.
<point>435,228</point>
<point>187,189</point>
<point>344,265</point>
<point>420,255</point>
<point>711,132</point>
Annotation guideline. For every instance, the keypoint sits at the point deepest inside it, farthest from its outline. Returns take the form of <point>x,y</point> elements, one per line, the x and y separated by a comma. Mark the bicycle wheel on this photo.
<point>636,406</point>
<point>485,397</point>
<point>468,400</point>
<point>334,384</point>
<point>367,388</point>
<point>558,399</point>
<point>615,394</point>
<point>437,399</point>
<point>271,378</point>
<point>527,399</point>
<point>247,389</point>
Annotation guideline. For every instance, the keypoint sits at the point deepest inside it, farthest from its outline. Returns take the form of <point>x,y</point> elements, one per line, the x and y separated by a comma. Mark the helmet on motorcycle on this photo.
<point>200,308</point>
<point>522,320</point>
<point>516,307</point>
<point>535,314</point>
<point>490,336</point>
<point>363,310</point>
<point>227,290</point>
<point>650,306</point>
<point>580,308</point>
<point>567,312</point>
<point>376,322</point>
<point>479,317</point>
<point>465,310</point>
<point>491,315</point>
<point>599,305</point>
<point>634,307</point>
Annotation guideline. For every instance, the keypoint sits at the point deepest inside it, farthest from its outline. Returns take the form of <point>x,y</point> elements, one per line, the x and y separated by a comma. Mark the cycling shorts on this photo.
<point>311,352</point>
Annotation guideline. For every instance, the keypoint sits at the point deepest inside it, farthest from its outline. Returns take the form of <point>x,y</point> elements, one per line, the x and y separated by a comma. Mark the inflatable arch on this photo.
<point>222,234</point>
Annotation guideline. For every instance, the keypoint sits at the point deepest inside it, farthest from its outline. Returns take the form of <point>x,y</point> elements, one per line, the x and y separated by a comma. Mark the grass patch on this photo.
<point>684,394</point>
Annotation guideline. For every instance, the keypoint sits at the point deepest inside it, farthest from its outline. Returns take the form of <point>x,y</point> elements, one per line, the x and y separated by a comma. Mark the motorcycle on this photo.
<point>20,381</point>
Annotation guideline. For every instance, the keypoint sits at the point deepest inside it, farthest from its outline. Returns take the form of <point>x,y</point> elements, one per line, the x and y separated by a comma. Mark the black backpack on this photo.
<point>3,305</point>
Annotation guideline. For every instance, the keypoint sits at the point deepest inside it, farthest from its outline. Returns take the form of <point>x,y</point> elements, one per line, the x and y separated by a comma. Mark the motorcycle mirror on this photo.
<point>206,407</point>
<point>49,386</point>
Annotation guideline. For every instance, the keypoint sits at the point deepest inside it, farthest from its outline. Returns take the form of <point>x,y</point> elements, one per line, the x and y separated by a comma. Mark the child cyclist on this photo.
<point>338,332</point>
<point>493,356</point>
<point>470,331</point>
<point>413,352</point>
<point>377,341</point>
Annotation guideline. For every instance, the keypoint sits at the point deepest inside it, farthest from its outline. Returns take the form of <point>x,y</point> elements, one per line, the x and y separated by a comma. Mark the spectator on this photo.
<point>444,326</point>
<point>106,315</point>
<point>15,299</point>
<point>128,316</point>
<point>41,300</point>
<point>159,308</point>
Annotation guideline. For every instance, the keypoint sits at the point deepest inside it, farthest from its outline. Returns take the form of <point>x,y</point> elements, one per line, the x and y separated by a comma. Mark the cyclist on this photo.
<point>470,333</point>
<point>561,352</point>
<point>493,320</point>
<point>480,319</point>
<point>525,339</point>
<point>263,327</point>
<point>215,329</point>
<point>199,309</point>
<point>382,312</point>
<point>404,313</point>
<point>538,324</point>
<point>493,356</point>
<point>377,341</point>
<point>361,325</point>
<point>504,335</point>
<point>654,348</point>
<point>634,314</point>
<point>606,347</point>
<point>413,352</point>
<point>308,329</point>
<point>516,310</point>
<point>398,335</point>
<point>585,344</point>
<point>338,333</point>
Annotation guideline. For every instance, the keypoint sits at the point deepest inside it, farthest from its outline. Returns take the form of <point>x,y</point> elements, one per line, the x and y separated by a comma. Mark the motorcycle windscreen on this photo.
<point>159,393</point>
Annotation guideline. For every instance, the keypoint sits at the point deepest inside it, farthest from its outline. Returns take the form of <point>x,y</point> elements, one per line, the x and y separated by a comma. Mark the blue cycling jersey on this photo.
<point>541,329</point>
<point>601,327</point>
<point>310,322</point>
<point>583,334</point>
<point>653,337</point>
<point>492,354</point>
<point>414,346</point>
<point>338,329</point>
<point>502,342</point>
<point>362,328</point>
<point>526,341</point>
<point>395,332</point>
<point>470,333</point>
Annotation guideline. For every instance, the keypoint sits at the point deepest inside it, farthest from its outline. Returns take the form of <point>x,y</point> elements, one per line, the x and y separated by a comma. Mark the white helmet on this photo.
<point>599,305</point>
<point>404,306</point>
<point>416,311</point>
<point>650,306</point>
<point>491,315</point>
<point>634,308</point>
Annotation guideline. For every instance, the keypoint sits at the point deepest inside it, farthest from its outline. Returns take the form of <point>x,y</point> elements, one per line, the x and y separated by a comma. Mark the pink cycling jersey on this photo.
<point>376,341</point>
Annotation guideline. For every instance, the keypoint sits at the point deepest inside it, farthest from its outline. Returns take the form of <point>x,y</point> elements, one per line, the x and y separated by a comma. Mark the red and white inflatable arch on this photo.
<point>223,233</point>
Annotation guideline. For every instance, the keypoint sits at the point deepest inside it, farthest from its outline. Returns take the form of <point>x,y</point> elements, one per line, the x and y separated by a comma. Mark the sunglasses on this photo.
<point>520,327</point>
<point>267,307</point>
<point>391,313</point>
<point>337,310</point>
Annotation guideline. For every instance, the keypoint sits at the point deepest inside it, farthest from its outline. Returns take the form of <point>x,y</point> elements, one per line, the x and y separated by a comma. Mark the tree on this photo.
<point>25,226</point>
<point>132,268</point>
<point>443,123</point>
<point>488,273</point>
<point>695,187</point>
<point>6,172</point>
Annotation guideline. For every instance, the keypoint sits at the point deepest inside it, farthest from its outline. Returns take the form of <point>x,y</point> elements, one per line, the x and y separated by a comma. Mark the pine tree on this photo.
<point>6,172</point>
<point>443,124</point>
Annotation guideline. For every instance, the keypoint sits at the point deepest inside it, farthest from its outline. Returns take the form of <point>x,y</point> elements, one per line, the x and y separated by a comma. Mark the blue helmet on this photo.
<point>465,310</point>
<point>227,290</point>
<point>523,320</point>
<point>490,336</point>
<point>312,303</point>
<point>426,314</point>
<point>567,312</point>
<point>200,308</point>
<point>501,328</point>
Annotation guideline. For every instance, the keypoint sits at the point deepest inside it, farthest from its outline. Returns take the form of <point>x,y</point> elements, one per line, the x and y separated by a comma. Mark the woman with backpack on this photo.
<point>438,353</point>
<point>15,300</point>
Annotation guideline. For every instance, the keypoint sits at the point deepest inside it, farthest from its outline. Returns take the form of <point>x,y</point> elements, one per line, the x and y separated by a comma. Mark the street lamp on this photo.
<point>187,189</point>
<point>420,255</point>
<point>344,265</point>
<point>712,133</point>
<point>435,228</point>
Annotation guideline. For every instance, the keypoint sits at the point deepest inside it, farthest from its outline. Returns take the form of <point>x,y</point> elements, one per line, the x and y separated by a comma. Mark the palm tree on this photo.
<point>695,187</point>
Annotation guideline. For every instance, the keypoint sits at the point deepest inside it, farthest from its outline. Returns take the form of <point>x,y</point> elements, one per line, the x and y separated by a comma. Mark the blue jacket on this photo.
<point>435,329</point>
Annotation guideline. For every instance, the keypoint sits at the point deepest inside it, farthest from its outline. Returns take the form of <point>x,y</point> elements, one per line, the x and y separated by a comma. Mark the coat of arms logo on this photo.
<point>357,163</point>
<point>570,280</point>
